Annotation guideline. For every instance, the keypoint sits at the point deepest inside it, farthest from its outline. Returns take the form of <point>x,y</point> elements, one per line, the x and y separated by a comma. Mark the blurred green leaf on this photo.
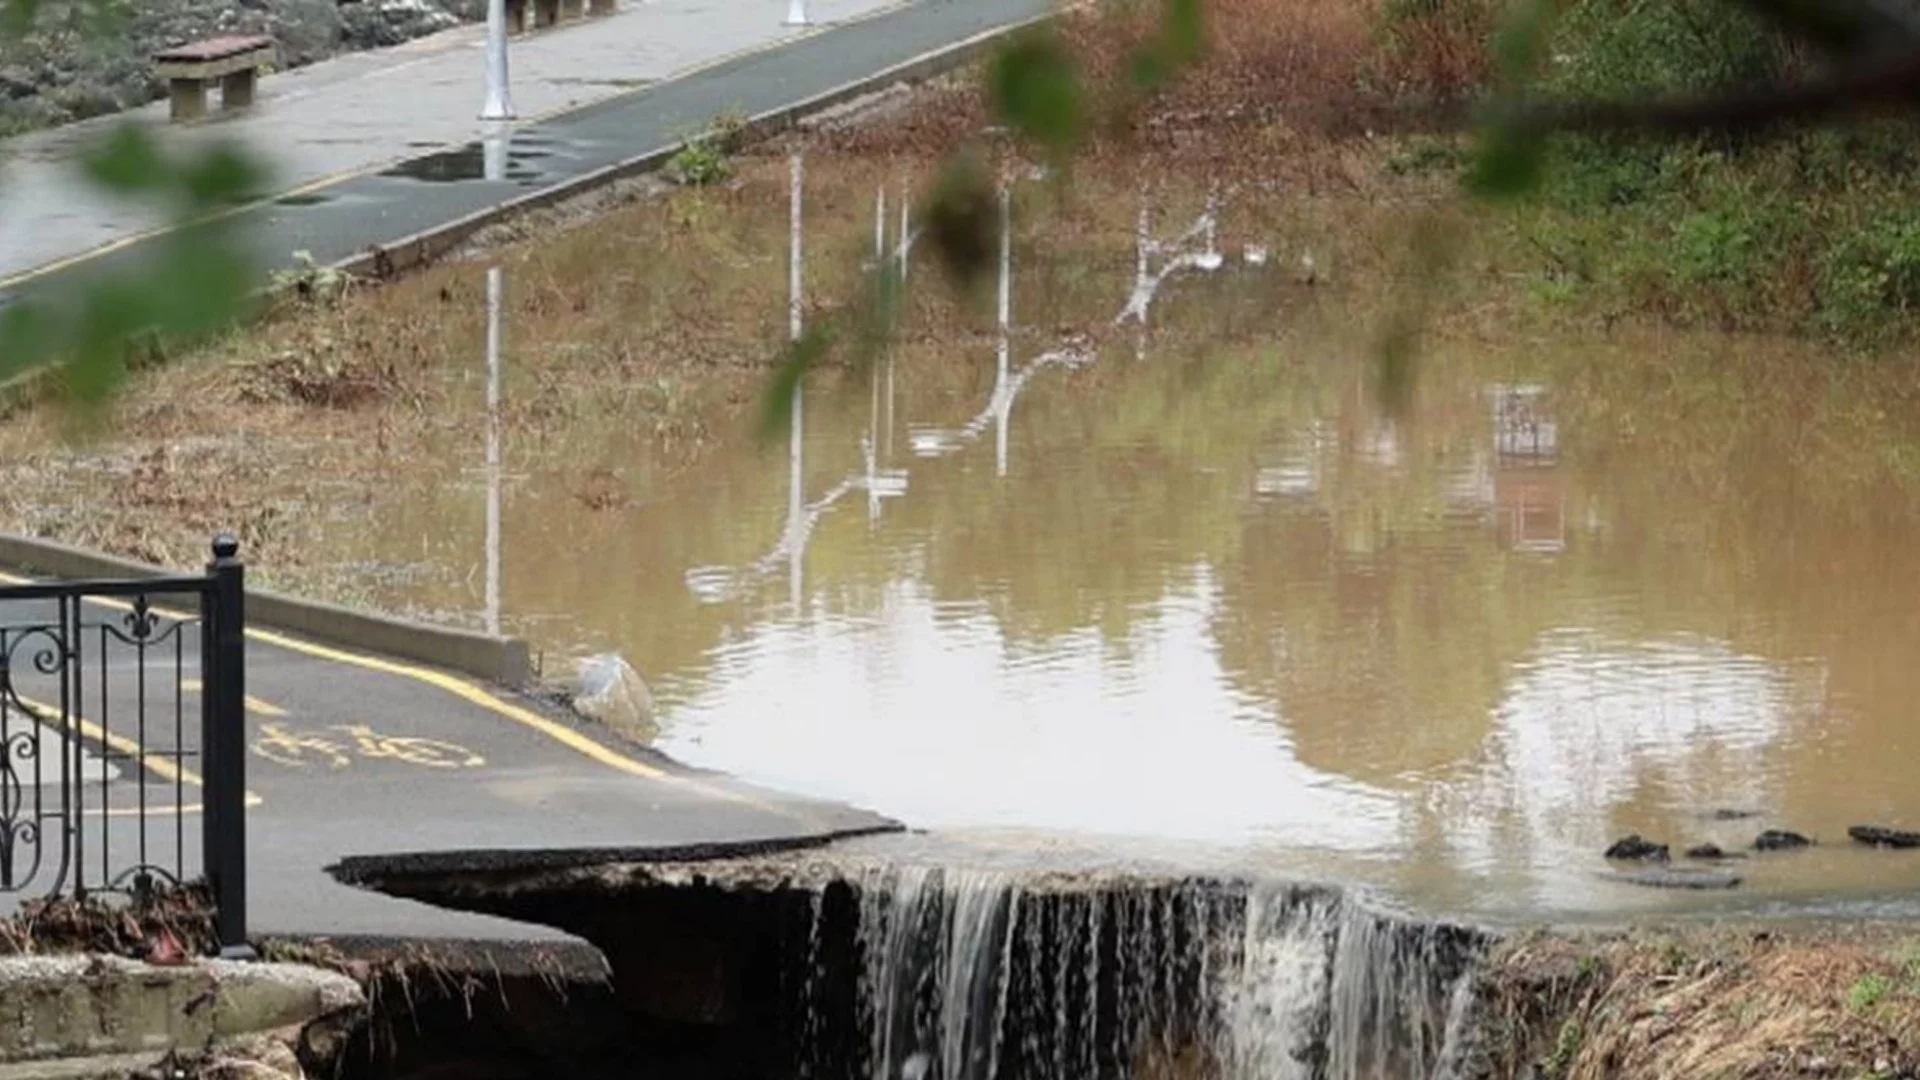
<point>1036,90</point>
<point>1840,27</point>
<point>197,282</point>
<point>1179,42</point>
<point>802,357</point>
<point>206,285</point>
<point>1521,40</point>
<point>1396,363</point>
<point>16,16</point>
<point>127,161</point>
<point>24,334</point>
<point>221,177</point>
<point>1510,158</point>
<point>1148,69</point>
<point>959,217</point>
<point>1182,31</point>
<point>112,313</point>
<point>1508,162</point>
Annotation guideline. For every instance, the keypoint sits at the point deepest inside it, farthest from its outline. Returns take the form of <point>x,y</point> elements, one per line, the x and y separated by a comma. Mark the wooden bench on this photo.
<point>234,62</point>
<point>550,12</point>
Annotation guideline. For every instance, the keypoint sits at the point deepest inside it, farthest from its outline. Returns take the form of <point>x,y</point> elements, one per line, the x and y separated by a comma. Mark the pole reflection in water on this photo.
<point>1006,316</point>
<point>493,151</point>
<point>1194,249</point>
<point>495,287</point>
<point>904,249</point>
<point>795,453</point>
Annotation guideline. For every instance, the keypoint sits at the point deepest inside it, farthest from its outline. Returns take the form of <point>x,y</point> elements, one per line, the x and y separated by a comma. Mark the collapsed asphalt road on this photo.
<point>354,755</point>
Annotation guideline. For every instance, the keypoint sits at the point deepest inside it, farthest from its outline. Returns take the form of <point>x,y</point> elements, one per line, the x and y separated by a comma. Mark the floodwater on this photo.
<point>1189,585</point>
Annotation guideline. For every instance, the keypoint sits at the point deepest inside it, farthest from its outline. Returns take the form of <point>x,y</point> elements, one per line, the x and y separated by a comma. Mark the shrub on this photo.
<point>1870,275</point>
<point>699,163</point>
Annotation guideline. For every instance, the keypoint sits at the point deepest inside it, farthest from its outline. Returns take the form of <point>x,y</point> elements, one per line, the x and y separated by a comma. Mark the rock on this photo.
<point>614,694</point>
<point>51,75</point>
<point>1633,847</point>
<point>1673,877</point>
<point>376,23</point>
<point>1780,840</point>
<point>1713,851</point>
<point>17,81</point>
<point>1881,836</point>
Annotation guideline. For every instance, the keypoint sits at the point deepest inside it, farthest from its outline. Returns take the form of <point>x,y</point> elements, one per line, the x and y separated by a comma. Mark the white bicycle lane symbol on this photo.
<point>283,745</point>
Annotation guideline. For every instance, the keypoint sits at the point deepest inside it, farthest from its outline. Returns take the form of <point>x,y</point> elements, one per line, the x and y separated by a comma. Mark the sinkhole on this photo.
<point>811,964</point>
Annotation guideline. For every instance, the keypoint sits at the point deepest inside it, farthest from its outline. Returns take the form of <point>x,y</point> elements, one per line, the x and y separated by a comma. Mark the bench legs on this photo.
<point>188,98</point>
<point>236,90</point>
<point>547,13</point>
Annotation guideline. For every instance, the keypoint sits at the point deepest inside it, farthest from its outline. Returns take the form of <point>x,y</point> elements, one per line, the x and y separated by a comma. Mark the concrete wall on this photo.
<point>499,659</point>
<point>77,1006</point>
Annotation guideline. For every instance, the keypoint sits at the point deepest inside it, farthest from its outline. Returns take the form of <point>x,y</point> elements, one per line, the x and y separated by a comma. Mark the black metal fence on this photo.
<point>122,738</point>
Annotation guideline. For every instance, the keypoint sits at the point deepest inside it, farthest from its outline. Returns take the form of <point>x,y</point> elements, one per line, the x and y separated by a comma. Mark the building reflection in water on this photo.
<point>1527,482</point>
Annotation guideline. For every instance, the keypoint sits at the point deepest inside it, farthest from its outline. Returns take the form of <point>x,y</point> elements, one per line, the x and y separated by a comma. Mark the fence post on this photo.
<point>223,741</point>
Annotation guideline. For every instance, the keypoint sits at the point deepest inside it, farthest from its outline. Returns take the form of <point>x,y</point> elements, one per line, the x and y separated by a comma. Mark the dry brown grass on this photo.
<point>1305,68</point>
<point>167,926</point>
<point>1710,1003</point>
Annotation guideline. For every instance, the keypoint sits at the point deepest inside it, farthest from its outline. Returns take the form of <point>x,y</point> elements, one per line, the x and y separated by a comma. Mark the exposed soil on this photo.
<point>1734,1002</point>
<point>167,925</point>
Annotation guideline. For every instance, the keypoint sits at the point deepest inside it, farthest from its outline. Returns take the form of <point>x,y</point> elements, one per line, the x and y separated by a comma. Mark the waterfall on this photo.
<point>985,975</point>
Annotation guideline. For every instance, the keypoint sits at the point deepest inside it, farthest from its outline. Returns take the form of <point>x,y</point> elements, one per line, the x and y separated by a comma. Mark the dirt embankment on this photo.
<point>1706,1003</point>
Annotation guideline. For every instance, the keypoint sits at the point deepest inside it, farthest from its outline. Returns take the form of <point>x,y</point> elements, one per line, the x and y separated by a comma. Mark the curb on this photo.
<point>502,660</point>
<point>422,248</point>
<point>386,261</point>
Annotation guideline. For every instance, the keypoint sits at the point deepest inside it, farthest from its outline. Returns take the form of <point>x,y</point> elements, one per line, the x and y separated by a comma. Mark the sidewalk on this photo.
<point>344,118</point>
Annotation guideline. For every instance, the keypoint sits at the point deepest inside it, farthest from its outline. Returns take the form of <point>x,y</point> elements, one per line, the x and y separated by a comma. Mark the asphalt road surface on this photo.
<point>347,755</point>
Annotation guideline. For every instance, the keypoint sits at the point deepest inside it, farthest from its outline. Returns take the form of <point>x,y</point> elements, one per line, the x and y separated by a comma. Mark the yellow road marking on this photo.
<point>254,704</point>
<point>165,768</point>
<point>460,688</point>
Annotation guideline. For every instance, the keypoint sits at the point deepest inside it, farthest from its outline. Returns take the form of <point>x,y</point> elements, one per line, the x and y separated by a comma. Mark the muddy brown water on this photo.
<point>1194,588</point>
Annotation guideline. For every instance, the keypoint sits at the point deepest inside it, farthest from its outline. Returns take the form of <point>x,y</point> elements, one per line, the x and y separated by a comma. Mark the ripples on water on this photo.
<point>1177,587</point>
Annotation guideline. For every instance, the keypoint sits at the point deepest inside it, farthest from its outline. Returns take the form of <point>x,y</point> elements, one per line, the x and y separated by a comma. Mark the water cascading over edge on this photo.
<point>967,974</point>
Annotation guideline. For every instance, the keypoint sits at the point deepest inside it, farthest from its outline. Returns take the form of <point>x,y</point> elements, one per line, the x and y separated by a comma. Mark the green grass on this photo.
<point>1868,992</point>
<point>1806,231</point>
<point>700,162</point>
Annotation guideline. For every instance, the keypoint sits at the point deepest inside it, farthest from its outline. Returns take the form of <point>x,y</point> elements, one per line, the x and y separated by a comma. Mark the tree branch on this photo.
<point>1875,85</point>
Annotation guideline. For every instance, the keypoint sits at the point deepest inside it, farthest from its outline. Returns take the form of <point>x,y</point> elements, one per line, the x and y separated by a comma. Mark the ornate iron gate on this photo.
<point>122,737</point>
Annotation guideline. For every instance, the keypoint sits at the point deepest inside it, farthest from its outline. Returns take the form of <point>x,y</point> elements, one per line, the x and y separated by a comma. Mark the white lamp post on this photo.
<point>499,105</point>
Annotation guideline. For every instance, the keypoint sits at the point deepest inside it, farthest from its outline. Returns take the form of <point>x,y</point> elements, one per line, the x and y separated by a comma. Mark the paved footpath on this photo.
<point>357,755</point>
<point>374,147</point>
